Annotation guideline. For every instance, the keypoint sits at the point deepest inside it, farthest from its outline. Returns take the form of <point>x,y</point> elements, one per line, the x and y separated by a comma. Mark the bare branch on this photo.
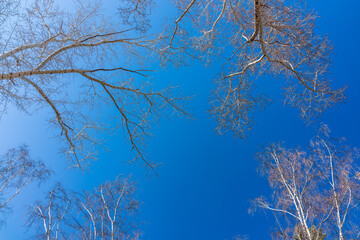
<point>76,64</point>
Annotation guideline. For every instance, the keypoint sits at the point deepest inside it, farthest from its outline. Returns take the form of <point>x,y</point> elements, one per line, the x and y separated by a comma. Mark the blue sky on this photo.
<point>205,181</point>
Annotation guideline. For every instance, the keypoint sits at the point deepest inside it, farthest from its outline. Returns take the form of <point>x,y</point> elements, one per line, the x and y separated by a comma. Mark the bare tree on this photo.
<point>257,38</point>
<point>49,216</point>
<point>315,192</point>
<point>136,13</point>
<point>238,237</point>
<point>17,170</point>
<point>107,212</point>
<point>76,64</point>
<point>292,176</point>
<point>339,172</point>
<point>7,8</point>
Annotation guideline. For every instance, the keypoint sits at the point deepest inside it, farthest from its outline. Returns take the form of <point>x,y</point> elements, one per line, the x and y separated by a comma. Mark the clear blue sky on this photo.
<point>205,181</point>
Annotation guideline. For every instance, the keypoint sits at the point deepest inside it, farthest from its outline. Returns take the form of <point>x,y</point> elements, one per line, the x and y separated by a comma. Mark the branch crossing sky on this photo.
<point>205,181</point>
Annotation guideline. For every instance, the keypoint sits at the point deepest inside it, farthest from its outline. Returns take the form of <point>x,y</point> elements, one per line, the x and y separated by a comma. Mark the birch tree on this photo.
<point>17,170</point>
<point>78,65</point>
<point>49,216</point>
<point>256,38</point>
<point>106,212</point>
<point>315,192</point>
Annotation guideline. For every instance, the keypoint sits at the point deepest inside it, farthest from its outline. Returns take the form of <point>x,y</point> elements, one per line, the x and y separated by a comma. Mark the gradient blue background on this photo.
<point>205,181</point>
